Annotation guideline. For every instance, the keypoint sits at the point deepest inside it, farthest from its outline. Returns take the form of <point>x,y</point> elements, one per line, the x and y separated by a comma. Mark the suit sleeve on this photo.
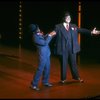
<point>84,31</point>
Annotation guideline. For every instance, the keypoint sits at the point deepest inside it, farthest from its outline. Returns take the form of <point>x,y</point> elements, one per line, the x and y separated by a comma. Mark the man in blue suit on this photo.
<point>42,43</point>
<point>66,46</point>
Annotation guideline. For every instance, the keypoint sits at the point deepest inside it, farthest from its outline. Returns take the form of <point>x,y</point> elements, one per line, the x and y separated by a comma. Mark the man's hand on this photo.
<point>52,33</point>
<point>95,32</point>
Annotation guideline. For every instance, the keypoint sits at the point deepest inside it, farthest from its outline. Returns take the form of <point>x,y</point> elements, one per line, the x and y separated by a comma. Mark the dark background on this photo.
<point>46,14</point>
<point>9,21</point>
<point>90,46</point>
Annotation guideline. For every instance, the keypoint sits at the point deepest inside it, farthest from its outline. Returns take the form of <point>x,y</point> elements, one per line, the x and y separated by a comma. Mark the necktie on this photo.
<point>67,27</point>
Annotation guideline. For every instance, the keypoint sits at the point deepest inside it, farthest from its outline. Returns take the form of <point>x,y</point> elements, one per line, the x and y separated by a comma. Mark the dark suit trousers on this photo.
<point>68,58</point>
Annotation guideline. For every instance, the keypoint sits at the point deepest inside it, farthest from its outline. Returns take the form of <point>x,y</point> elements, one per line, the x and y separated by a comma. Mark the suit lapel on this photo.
<point>63,30</point>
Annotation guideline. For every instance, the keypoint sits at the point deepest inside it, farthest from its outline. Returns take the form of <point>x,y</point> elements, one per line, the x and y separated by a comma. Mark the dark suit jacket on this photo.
<point>61,38</point>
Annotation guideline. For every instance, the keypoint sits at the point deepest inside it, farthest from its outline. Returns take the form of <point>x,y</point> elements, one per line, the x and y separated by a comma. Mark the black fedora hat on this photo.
<point>33,27</point>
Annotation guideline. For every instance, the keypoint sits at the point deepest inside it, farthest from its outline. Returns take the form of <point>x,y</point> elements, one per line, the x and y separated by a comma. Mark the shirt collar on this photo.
<point>65,24</point>
<point>39,33</point>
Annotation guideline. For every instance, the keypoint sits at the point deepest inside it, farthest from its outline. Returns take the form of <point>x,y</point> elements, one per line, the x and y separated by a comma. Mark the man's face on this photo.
<point>67,19</point>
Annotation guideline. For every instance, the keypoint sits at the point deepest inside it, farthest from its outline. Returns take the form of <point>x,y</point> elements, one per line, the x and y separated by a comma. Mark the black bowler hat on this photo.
<point>33,27</point>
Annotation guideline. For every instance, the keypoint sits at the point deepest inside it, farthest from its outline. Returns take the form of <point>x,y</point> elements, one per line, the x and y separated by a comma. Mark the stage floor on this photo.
<point>18,65</point>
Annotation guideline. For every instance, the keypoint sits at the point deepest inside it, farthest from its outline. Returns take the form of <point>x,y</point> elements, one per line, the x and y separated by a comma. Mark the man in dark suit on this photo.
<point>66,46</point>
<point>42,43</point>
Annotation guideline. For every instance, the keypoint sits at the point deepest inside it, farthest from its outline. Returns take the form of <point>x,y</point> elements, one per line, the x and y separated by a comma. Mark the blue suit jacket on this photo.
<point>42,43</point>
<point>61,38</point>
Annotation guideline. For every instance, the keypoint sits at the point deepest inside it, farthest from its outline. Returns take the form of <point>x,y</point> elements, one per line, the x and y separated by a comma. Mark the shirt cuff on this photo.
<point>49,35</point>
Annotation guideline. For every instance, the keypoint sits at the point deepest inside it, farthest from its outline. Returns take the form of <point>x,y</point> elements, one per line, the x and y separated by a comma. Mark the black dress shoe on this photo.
<point>34,87</point>
<point>48,84</point>
<point>62,81</point>
<point>80,80</point>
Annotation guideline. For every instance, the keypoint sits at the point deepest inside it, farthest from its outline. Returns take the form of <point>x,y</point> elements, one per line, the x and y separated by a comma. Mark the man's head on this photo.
<point>67,17</point>
<point>34,28</point>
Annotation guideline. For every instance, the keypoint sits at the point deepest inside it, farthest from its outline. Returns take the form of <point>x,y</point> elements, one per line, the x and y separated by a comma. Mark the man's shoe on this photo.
<point>62,81</point>
<point>48,84</point>
<point>80,80</point>
<point>34,88</point>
